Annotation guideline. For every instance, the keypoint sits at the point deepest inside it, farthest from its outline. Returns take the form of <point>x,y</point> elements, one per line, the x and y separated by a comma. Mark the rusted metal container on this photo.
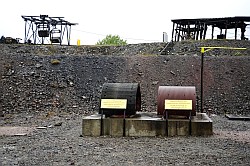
<point>129,91</point>
<point>176,93</point>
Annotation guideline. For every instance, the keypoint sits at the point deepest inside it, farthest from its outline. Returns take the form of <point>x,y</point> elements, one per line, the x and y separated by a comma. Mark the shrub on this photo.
<point>112,40</point>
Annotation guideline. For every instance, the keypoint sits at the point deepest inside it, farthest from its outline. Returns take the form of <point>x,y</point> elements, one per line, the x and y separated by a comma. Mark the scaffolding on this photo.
<point>39,28</point>
<point>196,29</point>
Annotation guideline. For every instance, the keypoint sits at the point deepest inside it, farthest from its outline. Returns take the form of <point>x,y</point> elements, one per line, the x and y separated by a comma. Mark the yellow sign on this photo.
<point>178,104</point>
<point>114,103</point>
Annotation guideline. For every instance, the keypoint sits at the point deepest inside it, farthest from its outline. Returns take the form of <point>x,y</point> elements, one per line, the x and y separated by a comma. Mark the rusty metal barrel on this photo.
<point>176,94</point>
<point>129,91</point>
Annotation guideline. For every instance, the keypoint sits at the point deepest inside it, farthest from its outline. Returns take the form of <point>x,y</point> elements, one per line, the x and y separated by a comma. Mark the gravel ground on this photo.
<point>64,145</point>
<point>52,87</point>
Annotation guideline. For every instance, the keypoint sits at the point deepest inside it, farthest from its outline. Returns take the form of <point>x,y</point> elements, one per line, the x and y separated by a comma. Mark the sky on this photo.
<point>136,21</point>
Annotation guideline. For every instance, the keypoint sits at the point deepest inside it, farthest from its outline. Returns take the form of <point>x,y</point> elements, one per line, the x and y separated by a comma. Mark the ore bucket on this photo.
<point>176,93</point>
<point>129,91</point>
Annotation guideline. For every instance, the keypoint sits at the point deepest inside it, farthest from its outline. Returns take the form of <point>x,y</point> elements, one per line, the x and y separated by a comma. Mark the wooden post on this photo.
<point>194,31</point>
<point>179,32</point>
<point>212,31</point>
<point>175,36</point>
<point>201,31</point>
<point>235,37</point>
<point>205,32</point>
<point>182,32</point>
<point>173,31</point>
<point>243,29</point>
<point>226,31</point>
<point>197,31</point>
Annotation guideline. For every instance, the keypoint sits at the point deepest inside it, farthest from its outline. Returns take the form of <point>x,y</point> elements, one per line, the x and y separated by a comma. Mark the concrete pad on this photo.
<point>147,124</point>
<point>201,125</point>
<point>178,127</point>
<point>91,125</point>
<point>237,117</point>
<point>16,131</point>
<point>147,127</point>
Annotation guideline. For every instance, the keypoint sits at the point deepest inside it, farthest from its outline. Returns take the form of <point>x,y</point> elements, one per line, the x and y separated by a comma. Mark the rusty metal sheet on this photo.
<point>176,93</point>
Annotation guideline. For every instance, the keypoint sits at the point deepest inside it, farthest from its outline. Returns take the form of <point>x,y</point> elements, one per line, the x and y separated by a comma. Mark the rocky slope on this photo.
<point>70,78</point>
<point>52,87</point>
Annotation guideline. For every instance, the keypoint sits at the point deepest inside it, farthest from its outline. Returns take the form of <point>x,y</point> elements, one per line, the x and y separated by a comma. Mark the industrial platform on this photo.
<point>146,124</point>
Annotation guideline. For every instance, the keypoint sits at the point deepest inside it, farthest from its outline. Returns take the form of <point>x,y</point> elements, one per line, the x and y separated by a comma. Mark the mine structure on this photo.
<point>196,29</point>
<point>39,28</point>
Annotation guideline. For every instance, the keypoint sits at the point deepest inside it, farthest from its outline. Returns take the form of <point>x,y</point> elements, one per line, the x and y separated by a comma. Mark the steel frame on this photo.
<point>196,29</point>
<point>39,28</point>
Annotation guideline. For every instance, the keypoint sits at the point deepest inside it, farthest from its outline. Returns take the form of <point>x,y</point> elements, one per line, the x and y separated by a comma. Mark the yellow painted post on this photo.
<point>206,49</point>
<point>78,42</point>
<point>202,49</point>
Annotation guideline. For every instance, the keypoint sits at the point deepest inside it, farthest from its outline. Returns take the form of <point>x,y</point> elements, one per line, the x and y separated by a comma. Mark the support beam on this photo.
<point>199,27</point>
<point>201,31</point>
<point>212,31</point>
<point>197,30</point>
<point>173,31</point>
<point>178,29</point>
<point>243,30</point>
<point>235,34</point>
<point>226,30</point>
<point>205,32</point>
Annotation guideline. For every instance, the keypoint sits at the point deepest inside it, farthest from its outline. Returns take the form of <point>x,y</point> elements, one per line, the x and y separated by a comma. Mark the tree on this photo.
<point>112,40</point>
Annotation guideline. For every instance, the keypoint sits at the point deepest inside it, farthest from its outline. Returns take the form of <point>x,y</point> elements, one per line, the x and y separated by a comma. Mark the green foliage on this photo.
<point>112,40</point>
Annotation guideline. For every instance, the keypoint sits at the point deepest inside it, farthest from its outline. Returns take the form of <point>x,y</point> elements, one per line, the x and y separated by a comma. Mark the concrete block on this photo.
<point>113,127</point>
<point>201,125</point>
<point>178,127</point>
<point>91,125</point>
<point>147,124</point>
<point>139,128</point>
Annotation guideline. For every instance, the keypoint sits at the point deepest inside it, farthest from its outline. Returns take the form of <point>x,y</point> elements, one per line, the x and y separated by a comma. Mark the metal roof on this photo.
<point>45,19</point>
<point>223,23</point>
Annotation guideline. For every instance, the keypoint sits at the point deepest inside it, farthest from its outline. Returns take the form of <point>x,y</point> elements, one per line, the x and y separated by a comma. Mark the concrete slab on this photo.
<point>147,124</point>
<point>201,125</point>
<point>237,117</point>
<point>15,131</point>
<point>178,127</point>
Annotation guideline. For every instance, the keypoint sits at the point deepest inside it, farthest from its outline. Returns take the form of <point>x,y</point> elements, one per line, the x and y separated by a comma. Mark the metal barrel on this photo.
<point>129,91</point>
<point>176,93</point>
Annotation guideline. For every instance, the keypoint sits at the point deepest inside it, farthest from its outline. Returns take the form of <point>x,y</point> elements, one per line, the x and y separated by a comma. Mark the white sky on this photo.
<point>130,19</point>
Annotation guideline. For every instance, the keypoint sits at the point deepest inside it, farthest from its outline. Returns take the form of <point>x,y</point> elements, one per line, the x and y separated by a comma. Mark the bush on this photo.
<point>112,40</point>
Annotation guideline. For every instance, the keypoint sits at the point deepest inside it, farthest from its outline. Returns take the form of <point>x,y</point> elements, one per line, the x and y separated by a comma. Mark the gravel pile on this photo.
<point>130,49</point>
<point>52,87</point>
<point>193,47</point>
<point>41,82</point>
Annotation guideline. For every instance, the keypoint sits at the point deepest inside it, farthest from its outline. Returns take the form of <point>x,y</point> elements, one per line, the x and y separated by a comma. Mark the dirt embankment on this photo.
<point>33,82</point>
<point>52,87</point>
